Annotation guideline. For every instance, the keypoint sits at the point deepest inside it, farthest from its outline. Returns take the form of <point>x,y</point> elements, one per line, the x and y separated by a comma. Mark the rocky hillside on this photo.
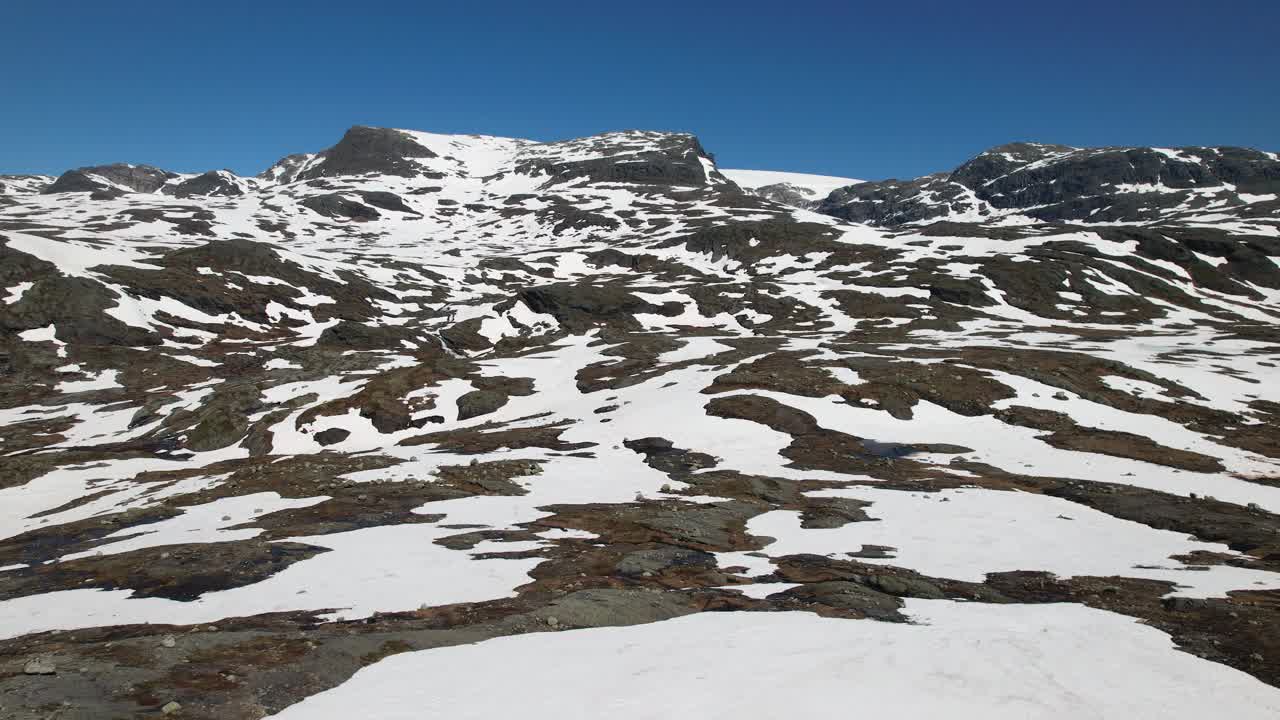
<point>441,407</point>
<point>1025,183</point>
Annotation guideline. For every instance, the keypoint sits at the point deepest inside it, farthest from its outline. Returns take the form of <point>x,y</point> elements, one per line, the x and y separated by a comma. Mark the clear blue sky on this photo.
<point>862,89</point>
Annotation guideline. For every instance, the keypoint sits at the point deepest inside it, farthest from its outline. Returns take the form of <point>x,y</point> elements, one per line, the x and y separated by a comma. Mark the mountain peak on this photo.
<point>116,177</point>
<point>1036,182</point>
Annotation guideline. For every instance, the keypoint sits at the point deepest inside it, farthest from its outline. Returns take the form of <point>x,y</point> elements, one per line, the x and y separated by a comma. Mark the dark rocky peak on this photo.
<point>286,169</point>
<point>215,183</point>
<point>1011,183</point>
<point>1058,183</point>
<point>1004,159</point>
<point>631,156</point>
<point>899,202</point>
<point>1251,171</point>
<point>1028,152</point>
<point>361,151</point>
<point>1002,174</point>
<point>119,177</point>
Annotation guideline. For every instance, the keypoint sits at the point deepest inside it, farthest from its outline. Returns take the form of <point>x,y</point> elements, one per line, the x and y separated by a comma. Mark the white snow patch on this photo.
<point>997,662</point>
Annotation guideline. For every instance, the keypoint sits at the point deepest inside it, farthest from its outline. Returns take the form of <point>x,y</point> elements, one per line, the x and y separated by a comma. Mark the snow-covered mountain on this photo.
<point>447,407</point>
<point>797,189</point>
<point>1030,182</point>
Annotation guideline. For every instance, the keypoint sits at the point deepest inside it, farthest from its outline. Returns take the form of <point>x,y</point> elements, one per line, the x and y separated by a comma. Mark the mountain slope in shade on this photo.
<point>420,391</point>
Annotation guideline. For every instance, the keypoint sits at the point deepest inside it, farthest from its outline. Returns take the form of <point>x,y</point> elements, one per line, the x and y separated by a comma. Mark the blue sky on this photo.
<point>861,89</point>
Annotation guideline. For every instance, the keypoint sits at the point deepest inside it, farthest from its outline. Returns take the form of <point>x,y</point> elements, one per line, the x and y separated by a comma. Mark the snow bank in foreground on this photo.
<point>987,661</point>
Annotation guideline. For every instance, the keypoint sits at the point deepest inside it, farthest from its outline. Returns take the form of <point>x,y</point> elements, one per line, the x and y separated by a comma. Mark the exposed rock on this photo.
<point>215,183</point>
<point>1056,183</point>
<point>332,436</point>
<point>849,596</point>
<point>180,369</point>
<point>479,402</point>
<point>466,335</point>
<point>359,336</point>
<point>120,176</point>
<point>665,558</point>
<point>224,419</point>
<point>40,666</point>
<point>75,306</point>
<point>578,306</point>
<point>660,455</point>
<point>365,150</point>
<point>660,158</point>
<point>906,587</point>
<point>336,205</point>
<point>750,242</point>
<point>17,266</point>
<point>614,607</point>
<point>386,201</point>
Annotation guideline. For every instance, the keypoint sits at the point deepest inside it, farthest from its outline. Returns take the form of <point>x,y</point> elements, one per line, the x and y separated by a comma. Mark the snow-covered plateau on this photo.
<point>470,427</point>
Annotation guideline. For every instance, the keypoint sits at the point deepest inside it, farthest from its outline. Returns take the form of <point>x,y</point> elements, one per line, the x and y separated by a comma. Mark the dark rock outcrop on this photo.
<point>360,336</point>
<point>479,402</point>
<point>749,242</point>
<point>1056,183</point>
<point>387,201</point>
<point>332,436</point>
<point>363,150</point>
<point>625,157</point>
<point>17,266</point>
<point>897,202</point>
<point>75,306</point>
<point>581,305</point>
<point>105,178</point>
<point>215,183</point>
<point>336,205</point>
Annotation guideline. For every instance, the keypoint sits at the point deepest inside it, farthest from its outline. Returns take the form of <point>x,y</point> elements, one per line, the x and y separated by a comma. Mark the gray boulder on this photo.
<point>479,402</point>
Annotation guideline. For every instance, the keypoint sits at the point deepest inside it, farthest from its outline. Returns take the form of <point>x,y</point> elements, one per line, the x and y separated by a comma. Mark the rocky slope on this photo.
<point>419,391</point>
<point>1030,182</point>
